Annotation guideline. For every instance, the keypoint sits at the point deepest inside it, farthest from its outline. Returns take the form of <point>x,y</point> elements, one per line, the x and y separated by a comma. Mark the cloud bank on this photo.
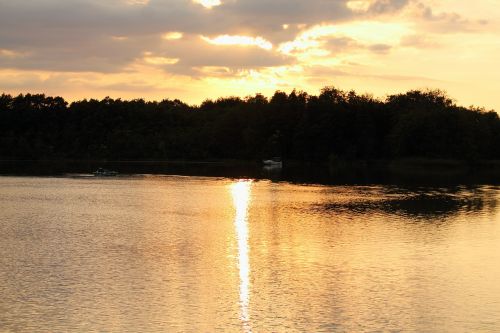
<point>258,45</point>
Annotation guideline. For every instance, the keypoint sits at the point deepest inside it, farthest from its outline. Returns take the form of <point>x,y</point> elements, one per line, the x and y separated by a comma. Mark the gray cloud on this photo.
<point>446,22</point>
<point>342,45</point>
<point>380,48</point>
<point>386,6</point>
<point>34,83</point>
<point>76,35</point>
<point>422,41</point>
<point>101,55</point>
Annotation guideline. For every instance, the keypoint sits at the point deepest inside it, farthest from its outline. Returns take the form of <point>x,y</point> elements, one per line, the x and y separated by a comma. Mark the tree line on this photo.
<point>295,126</point>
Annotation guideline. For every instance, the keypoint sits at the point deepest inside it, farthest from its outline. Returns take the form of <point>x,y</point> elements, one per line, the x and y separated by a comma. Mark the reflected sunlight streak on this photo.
<point>240,192</point>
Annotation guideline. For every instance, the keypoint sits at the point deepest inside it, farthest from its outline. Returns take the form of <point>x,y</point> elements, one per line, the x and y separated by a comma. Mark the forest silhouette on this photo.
<point>333,125</point>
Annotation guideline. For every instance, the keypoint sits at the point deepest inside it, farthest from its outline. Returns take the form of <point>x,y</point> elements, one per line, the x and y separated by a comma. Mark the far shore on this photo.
<point>412,172</point>
<point>410,164</point>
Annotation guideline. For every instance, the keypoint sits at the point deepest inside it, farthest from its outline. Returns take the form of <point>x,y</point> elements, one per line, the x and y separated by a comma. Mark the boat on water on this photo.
<point>101,172</point>
<point>275,162</point>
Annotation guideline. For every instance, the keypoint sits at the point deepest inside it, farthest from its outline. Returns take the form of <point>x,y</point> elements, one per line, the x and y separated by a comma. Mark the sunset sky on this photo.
<point>198,49</point>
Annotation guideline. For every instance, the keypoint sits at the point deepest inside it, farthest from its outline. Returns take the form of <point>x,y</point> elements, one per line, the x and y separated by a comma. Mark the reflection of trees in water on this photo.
<point>424,203</point>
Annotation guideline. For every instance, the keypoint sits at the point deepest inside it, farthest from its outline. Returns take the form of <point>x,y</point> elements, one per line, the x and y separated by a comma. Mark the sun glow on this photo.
<point>172,35</point>
<point>208,3</point>
<point>239,40</point>
<point>369,32</point>
<point>241,191</point>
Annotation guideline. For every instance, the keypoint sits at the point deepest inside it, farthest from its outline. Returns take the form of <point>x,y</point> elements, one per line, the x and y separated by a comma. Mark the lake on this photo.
<point>152,253</point>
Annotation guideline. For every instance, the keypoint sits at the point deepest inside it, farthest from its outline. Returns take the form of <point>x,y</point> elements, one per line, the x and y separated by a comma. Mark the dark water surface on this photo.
<point>152,253</point>
<point>414,174</point>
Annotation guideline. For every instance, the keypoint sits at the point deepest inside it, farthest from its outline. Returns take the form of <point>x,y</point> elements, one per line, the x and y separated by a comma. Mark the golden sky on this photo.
<point>198,49</point>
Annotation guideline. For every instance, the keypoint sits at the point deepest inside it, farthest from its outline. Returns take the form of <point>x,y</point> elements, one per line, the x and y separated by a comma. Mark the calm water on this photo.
<point>194,254</point>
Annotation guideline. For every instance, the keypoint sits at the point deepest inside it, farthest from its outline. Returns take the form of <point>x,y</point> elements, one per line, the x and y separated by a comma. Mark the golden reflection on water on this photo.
<point>240,192</point>
<point>134,255</point>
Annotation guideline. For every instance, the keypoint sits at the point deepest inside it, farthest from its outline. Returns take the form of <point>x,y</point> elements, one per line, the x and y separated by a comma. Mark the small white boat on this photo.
<point>105,173</point>
<point>275,162</point>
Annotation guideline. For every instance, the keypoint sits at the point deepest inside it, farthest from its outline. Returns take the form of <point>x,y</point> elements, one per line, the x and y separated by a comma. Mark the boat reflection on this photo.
<point>241,191</point>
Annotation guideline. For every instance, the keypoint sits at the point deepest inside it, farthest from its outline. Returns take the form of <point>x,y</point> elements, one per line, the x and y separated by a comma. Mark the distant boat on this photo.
<point>105,173</point>
<point>275,162</point>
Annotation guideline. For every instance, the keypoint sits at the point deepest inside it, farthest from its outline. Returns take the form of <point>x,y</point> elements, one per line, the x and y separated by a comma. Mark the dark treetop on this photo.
<point>334,125</point>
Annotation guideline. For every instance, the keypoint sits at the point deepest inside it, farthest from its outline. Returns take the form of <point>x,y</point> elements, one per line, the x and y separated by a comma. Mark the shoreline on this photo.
<point>411,162</point>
